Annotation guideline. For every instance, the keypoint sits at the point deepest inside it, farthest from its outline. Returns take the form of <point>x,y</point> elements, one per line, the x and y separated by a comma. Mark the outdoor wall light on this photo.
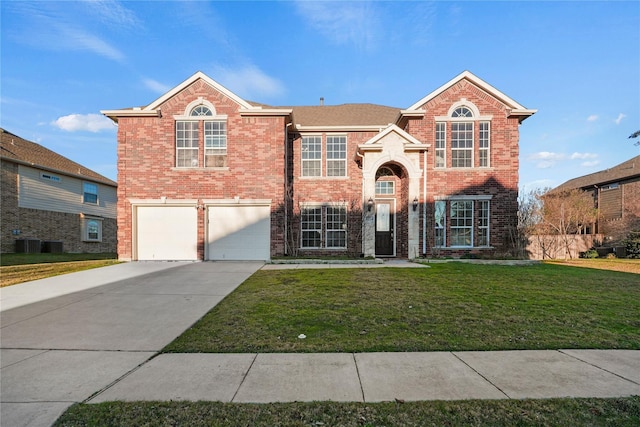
<point>415,204</point>
<point>369,204</point>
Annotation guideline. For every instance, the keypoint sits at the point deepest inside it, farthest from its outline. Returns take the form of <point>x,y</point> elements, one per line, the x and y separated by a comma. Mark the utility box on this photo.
<point>53,246</point>
<point>28,246</point>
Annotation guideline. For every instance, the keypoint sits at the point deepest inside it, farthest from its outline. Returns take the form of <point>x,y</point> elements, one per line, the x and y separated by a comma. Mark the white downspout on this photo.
<point>424,204</point>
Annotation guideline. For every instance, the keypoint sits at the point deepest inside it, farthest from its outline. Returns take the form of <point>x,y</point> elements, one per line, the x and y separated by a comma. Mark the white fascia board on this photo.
<point>523,112</point>
<point>236,202</point>
<point>475,80</point>
<point>199,75</point>
<point>416,147</point>
<point>130,112</point>
<point>257,111</point>
<point>412,113</point>
<point>356,128</point>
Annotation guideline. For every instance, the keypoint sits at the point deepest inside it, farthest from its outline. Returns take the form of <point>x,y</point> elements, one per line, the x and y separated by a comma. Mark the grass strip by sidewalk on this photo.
<point>24,273</point>
<point>448,307</point>
<point>495,413</point>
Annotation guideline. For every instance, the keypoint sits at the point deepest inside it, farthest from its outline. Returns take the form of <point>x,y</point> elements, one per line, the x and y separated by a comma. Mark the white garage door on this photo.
<point>239,233</point>
<point>167,232</point>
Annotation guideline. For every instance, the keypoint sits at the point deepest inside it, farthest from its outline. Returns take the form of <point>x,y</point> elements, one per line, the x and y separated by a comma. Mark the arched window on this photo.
<point>462,112</point>
<point>201,110</point>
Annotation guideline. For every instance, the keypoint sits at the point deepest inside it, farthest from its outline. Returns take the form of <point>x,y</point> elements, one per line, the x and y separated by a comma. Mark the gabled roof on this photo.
<point>623,171</point>
<point>516,108</point>
<point>411,143</point>
<point>344,116</point>
<point>153,109</point>
<point>19,150</point>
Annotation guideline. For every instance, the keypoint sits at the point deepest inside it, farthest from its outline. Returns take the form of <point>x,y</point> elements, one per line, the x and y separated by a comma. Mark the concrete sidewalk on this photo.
<point>95,336</point>
<point>375,377</point>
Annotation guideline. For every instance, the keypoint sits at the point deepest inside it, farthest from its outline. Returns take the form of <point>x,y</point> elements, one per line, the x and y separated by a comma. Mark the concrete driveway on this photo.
<point>66,338</point>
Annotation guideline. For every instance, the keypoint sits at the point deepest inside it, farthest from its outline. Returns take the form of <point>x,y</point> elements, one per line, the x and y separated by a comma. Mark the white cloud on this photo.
<point>546,155</point>
<point>77,39</point>
<point>249,81</point>
<point>113,12</point>
<point>592,118</point>
<point>342,22</point>
<point>621,116</point>
<point>156,86</point>
<point>582,156</point>
<point>548,159</point>
<point>83,122</point>
<point>590,163</point>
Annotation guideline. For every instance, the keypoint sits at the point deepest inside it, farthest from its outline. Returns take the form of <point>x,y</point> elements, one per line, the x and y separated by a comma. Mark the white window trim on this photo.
<point>473,144</point>
<point>97,193</point>
<point>488,226</point>
<point>465,227</point>
<point>303,160</point>
<point>177,149</point>
<point>327,160</point>
<point>343,229</point>
<point>474,222</point>
<point>84,221</point>
<point>444,145</point>
<point>488,148</point>
<point>305,206</point>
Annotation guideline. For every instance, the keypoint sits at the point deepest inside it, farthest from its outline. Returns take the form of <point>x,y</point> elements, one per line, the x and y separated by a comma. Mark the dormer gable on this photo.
<point>514,108</point>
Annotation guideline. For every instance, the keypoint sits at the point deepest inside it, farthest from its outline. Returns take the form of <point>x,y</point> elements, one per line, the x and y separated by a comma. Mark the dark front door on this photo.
<point>385,225</point>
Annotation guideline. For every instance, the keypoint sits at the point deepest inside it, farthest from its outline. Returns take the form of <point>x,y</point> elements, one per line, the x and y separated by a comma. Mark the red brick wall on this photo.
<point>146,163</point>
<point>500,180</point>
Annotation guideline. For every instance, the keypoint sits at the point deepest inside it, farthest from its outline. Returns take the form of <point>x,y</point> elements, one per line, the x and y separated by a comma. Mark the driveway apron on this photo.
<point>65,349</point>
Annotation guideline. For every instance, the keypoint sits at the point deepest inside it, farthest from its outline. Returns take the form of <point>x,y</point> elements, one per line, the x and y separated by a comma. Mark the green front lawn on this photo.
<point>551,412</point>
<point>448,307</point>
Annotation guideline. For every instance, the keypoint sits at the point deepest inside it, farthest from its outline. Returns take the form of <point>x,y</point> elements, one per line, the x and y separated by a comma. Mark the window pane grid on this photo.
<point>441,138</point>
<point>215,144</point>
<point>90,193</point>
<point>311,223</point>
<point>186,144</point>
<point>336,156</point>
<point>484,144</point>
<point>461,223</point>
<point>385,187</point>
<point>440,209</point>
<point>311,156</point>
<point>483,223</point>
<point>462,145</point>
<point>336,227</point>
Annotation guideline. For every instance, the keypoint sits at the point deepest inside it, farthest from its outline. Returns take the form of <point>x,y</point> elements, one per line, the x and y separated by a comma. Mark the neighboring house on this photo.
<point>205,174</point>
<point>51,203</point>
<point>616,194</point>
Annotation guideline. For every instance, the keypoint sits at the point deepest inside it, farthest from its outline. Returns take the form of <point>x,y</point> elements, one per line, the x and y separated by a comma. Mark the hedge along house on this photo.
<point>205,174</point>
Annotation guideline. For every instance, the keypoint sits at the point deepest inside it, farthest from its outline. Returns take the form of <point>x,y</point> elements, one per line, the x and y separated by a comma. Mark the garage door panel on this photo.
<point>167,233</point>
<point>239,232</point>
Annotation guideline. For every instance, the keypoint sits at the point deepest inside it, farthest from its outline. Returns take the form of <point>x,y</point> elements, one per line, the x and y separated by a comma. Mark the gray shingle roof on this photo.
<point>623,171</point>
<point>19,150</point>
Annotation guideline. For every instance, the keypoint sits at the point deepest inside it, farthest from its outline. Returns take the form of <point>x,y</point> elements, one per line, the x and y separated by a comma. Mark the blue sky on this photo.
<point>576,62</point>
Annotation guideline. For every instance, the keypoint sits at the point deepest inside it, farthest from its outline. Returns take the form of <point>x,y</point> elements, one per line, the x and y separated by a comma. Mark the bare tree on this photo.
<point>635,135</point>
<point>566,214</point>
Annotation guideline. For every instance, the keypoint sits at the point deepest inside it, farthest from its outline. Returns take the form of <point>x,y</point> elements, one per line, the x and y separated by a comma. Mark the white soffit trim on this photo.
<point>478,82</point>
<point>354,128</point>
<point>200,75</point>
<point>257,111</point>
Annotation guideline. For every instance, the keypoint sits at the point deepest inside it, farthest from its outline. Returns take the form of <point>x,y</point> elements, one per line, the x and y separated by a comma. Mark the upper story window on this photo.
<point>441,145</point>
<point>336,156</point>
<point>312,148</point>
<point>468,135</point>
<point>90,193</point>
<point>462,112</point>
<point>200,130</point>
<point>311,156</point>
<point>201,110</point>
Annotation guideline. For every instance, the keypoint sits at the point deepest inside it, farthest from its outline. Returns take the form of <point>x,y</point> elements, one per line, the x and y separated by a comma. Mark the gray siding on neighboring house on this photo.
<point>64,194</point>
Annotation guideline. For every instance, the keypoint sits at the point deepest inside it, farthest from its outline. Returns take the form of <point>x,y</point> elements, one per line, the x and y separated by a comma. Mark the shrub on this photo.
<point>632,244</point>
<point>591,253</point>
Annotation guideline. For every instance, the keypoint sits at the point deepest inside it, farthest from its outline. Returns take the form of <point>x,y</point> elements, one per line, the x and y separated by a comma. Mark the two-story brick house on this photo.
<point>205,174</point>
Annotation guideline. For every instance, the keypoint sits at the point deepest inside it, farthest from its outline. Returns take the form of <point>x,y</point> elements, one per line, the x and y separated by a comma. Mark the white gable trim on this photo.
<point>199,75</point>
<point>389,129</point>
<point>478,82</point>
